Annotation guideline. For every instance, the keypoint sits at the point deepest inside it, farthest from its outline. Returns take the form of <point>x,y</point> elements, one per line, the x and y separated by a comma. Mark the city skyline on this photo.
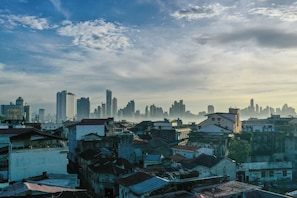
<point>153,52</point>
<point>81,110</point>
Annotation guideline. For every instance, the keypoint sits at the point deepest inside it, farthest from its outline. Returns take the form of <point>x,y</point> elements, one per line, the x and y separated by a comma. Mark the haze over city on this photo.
<point>154,52</point>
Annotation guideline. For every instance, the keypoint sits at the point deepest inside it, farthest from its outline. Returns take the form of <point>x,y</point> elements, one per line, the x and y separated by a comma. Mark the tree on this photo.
<point>239,150</point>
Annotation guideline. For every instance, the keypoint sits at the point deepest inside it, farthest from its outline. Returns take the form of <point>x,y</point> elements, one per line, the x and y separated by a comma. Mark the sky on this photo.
<point>222,52</point>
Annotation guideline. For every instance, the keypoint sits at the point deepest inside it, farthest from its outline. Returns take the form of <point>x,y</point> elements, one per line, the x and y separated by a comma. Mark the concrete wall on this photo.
<point>33,162</point>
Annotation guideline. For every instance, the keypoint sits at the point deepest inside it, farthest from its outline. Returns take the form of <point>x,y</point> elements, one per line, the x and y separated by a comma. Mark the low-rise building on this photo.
<point>230,121</point>
<point>140,185</point>
<point>152,160</point>
<point>86,126</point>
<point>212,166</point>
<point>265,171</point>
<point>211,136</point>
<point>190,152</point>
<point>29,152</point>
<point>104,172</point>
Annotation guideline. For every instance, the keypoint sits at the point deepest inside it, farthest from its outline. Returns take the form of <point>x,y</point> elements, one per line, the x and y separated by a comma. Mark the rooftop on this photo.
<point>92,122</point>
<point>134,179</point>
<point>22,188</point>
<point>202,160</point>
<point>233,188</point>
<point>185,148</point>
<point>141,183</point>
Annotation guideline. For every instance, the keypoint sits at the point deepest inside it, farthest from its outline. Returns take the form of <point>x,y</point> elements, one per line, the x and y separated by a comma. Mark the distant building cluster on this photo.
<point>70,108</point>
<point>18,111</point>
<point>254,110</point>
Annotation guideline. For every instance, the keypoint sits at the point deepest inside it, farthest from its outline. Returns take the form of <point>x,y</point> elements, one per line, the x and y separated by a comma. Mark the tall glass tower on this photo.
<point>83,108</point>
<point>108,103</point>
<point>66,106</point>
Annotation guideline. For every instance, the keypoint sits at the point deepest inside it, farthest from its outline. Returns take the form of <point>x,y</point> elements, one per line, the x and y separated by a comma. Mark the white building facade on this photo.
<point>65,106</point>
<point>266,171</point>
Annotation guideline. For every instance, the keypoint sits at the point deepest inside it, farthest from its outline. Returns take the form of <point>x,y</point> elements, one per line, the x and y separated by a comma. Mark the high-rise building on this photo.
<point>252,103</point>
<point>177,109</point>
<point>19,101</point>
<point>129,110</point>
<point>41,115</point>
<point>114,107</point>
<point>27,113</point>
<point>99,111</point>
<point>83,108</point>
<point>66,106</point>
<point>146,111</point>
<point>103,110</point>
<point>17,111</point>
<point>210,109</point>
<point>108,103</point>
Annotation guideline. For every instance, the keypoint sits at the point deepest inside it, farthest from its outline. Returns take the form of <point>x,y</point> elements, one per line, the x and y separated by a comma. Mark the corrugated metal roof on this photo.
<point>148,185</point>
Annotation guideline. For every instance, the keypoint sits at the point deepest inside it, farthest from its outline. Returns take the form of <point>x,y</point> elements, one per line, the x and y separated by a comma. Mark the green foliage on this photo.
<point>239,150</point>
<point>245,136</point>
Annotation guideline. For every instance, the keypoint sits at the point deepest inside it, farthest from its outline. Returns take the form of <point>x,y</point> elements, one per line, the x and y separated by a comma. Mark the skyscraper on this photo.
<point>177,109</point>
<point>210,109</point>
<point>103,110</point>
<point>83,108</point>
<point>66,106</point>
<point>41,115</point>
<point>114,107</point>
<point>108,103</point>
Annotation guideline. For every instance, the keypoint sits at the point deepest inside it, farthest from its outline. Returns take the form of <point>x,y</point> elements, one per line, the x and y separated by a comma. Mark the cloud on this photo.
<point>238,52</point>
<point>58,5</point>
<point>280,12</point>
<point>1,66</point>
<point>194,12</point>
<point>97,34</point>
<point>260,36</point>
<point>32,22</point>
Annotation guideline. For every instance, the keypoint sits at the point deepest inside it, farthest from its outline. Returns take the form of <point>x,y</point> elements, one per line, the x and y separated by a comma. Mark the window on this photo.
<point>271,173</point>
<point>262,173</point>
<point>213,119</point>
<point>285,173</point>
